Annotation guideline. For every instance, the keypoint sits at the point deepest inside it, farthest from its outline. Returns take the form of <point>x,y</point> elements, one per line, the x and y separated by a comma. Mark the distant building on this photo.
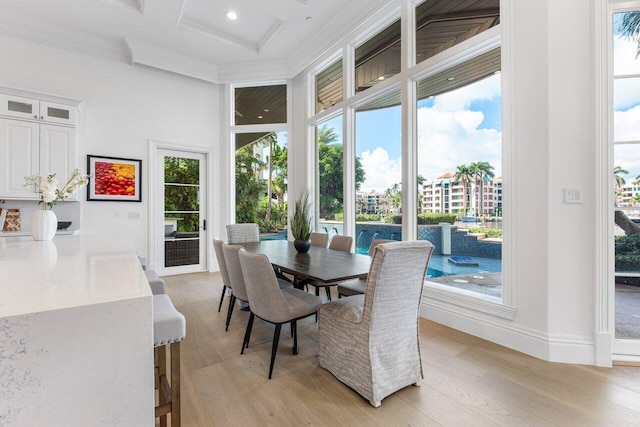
<point>445,194</point>
<point>370,203</point>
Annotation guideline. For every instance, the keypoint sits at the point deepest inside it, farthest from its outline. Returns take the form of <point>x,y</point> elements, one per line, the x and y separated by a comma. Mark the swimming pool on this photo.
<point>439,265</point>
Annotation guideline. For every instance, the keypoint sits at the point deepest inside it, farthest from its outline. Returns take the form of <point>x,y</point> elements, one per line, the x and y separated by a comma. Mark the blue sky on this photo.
<point>626,100</point>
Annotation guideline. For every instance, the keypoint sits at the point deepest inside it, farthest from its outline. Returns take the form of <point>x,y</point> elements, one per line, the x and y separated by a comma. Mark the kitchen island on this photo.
<point>76,333</point>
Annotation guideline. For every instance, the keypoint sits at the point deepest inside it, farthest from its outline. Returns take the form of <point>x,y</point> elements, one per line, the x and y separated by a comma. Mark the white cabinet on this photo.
<point>33,109</point>
<point>35,136</point>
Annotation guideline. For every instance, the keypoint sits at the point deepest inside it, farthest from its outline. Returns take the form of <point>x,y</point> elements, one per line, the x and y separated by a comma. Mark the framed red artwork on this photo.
<point>114,179</point>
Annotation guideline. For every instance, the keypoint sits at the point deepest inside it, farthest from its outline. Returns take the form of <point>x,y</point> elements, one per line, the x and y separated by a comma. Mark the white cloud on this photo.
<point>448,136</point>
<point>625,91</point>
<point>627,124</point>
<point>381,172</point>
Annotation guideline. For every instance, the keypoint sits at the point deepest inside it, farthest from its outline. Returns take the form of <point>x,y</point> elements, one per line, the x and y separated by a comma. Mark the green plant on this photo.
<point>301,218</point>
<point>489,232</point>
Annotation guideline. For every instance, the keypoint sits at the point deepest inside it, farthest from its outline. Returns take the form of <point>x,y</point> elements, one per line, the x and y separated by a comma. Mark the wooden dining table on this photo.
<point>319,264</point>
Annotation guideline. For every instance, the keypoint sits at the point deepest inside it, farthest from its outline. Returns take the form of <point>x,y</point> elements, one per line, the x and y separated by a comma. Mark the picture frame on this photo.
<point>114,179</point>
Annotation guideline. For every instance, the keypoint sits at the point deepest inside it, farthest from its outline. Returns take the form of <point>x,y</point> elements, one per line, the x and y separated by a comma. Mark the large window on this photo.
<point>260,104</point>
<point>459,165</point>
<point>441,24</point>
<point>330,175</point>
<point>626,170</point>
<point>329,86</point>
<point>378,171</point>
<point>261,182</point>
<point>447,145</point>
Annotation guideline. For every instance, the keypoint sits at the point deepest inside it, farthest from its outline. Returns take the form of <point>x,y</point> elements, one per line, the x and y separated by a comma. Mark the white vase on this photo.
<point>43,225</point>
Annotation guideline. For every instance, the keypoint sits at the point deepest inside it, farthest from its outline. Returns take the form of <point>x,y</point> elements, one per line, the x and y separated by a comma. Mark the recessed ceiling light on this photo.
<point>230,14</point>
<point>496,72</point>
<point>381,78</point>
<point>260,117</point>
<point>266,110</point>
<point>451,79</point>
<point>308,19</point>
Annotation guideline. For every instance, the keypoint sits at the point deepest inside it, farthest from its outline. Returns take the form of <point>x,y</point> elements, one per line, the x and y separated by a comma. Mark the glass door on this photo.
<point>183,246</point>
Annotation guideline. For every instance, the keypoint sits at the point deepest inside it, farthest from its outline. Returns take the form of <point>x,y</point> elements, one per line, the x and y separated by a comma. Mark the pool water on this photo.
<point>439,265</point>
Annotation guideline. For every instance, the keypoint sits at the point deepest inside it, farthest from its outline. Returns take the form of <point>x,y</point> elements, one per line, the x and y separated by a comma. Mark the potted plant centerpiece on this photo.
<point>301,223</point>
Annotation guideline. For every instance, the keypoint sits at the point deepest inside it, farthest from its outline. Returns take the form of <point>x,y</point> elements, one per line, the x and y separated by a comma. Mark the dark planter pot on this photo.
<point>302,246</point>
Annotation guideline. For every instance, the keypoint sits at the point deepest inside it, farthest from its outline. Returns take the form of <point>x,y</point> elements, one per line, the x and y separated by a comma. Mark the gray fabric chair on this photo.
<point>338,243</point>
<point>243,233</point>
<point>270,303</point>
<point>319,239</point>
<point>371,342</point>
<point>217,246</point>
<point>357,286</point>
<point>236,279</point>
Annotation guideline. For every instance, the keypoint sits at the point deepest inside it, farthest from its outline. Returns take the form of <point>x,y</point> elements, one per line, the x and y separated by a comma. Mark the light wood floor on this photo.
<point>468,381</point>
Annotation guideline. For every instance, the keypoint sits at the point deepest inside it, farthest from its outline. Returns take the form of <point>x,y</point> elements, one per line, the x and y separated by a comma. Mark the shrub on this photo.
<point>367,217</point>
<point>393,219</point>
<point>433,218</point>
<point>489,232</point>
<point>627,252</point>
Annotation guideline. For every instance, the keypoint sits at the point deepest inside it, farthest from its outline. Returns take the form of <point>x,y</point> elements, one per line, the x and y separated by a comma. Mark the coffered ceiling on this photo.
<point>269,39</point>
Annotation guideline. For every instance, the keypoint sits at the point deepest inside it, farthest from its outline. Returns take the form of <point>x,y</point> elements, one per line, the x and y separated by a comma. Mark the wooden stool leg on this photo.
<point>175,384</point>
<point>162,372</point>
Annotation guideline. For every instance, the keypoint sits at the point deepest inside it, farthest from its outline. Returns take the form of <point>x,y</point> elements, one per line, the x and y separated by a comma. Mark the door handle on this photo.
<point>204,225</point>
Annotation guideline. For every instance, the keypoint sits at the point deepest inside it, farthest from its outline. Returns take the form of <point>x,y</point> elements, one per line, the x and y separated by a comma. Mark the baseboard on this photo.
<point>551,347</point>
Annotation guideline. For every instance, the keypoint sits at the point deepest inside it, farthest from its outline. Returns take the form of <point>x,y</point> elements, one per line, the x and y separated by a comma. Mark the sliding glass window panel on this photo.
<point>459,175</point>
<point>441,24</point>
<point>625,47</point>
<point>329,86</point>
<point>626,114</point>
<point>330,186</point>
<point>260,105</point>
<point>378,171</point>
<point>378,58</point>
<point>261,182</point>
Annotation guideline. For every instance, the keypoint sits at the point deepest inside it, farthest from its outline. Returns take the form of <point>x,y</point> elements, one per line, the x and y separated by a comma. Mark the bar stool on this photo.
<point>169,328</point>
<point>155,282</point>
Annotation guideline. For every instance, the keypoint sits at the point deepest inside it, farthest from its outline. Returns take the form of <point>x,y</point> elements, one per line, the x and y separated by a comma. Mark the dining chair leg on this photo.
<point>317,291</point>
<point>294,329</point>
<point>274,348</point>
<point>232,303</point>
<point>247,333</point>
<point>328,290</point>
<point>224,289</point>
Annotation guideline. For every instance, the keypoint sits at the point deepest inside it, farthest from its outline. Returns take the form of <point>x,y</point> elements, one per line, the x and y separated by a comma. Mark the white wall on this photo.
<point>125,106</point>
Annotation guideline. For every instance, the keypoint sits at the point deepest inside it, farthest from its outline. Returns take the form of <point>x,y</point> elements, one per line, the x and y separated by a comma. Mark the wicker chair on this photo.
<point>319,239</point>
<point>357,286</point>
<point>217,247</point>
<point>338,243</point>
<point>270,303</point>
<point>371,342</point>
<point>243,233</point>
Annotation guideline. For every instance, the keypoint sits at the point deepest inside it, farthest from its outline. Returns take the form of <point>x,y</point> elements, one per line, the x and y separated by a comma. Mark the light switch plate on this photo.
<point>572,195</point>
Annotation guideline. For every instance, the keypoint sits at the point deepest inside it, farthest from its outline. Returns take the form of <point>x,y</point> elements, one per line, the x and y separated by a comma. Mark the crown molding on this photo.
<point>157,58</point>
<point>193,27</point>
<point>254,71</point>
<point>40,31</point>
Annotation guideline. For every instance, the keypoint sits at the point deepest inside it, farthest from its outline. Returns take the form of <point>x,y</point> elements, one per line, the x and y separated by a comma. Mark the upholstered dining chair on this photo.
<point>357,286</point>
<point>319,239</point>
<point>371,342</point>
<point>217,247</point>
<point>341,243</point>
<point>272,304</point>
<point>236,279</point>
<point>338,243</point>
<point>243,233</point>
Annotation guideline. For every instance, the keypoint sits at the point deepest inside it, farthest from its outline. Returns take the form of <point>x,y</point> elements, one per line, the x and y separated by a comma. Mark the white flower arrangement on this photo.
<point>47,186</point>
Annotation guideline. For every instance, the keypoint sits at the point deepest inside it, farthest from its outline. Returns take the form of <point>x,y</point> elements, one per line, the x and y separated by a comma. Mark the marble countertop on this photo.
<point>68,271</point>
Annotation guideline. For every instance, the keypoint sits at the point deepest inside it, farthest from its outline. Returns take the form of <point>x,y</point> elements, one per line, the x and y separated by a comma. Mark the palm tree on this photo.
<point>621,219</point>
<point>482,170</point>
<point>463,174</point>
<point>630,27</point>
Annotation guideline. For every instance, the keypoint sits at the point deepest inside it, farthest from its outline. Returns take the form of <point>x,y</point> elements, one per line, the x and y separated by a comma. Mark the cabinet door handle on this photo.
<point>35,117</point>
<point>41,117</point>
